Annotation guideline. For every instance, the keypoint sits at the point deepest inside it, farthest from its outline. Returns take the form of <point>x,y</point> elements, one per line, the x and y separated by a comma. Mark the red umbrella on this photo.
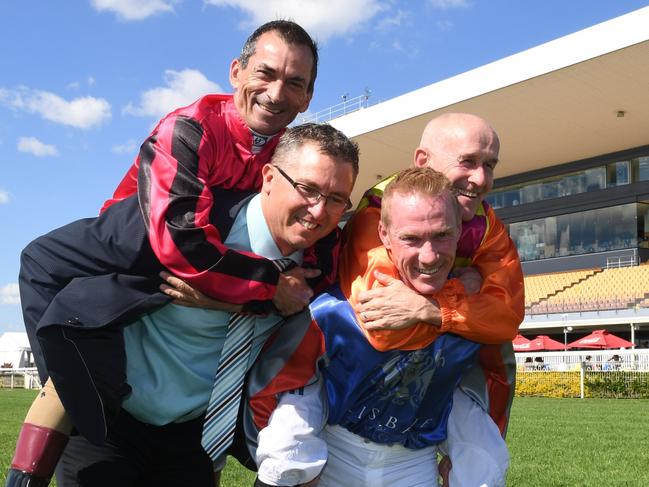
<point>600,339</point>
<point>521,344</point>
<point>544,342</point>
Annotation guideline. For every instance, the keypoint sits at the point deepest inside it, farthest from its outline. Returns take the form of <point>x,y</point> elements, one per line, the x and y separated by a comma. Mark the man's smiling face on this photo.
<point>273,87</point>
<point>421,238</point>
<point>294,222</point>
<point>465,149</point>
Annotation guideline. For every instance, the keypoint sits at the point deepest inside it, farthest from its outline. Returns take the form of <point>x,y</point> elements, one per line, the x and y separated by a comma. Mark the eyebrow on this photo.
<point>267,67</point>
<point>474,155</point>
<point>312,184</point>
<point>415,233</point>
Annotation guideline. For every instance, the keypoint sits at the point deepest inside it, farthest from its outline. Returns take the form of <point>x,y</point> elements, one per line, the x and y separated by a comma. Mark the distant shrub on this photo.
<point>618,384</point>
<point>547,384</point>
<point>601,384</point>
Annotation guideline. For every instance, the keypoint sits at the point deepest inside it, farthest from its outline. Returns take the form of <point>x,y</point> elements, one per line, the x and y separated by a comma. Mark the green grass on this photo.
<point>574,442</point>
<point>13,408</point>
<point>553,442</point>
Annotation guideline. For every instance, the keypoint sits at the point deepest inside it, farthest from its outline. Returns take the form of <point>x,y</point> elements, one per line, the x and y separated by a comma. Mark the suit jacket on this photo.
<point>80,284</point>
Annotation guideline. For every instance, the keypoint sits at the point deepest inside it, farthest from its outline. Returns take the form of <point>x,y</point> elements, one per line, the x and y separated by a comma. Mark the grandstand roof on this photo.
<point>554,103</point>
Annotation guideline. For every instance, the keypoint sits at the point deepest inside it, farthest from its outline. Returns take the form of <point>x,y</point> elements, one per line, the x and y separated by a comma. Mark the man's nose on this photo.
<point>478,176</point>
<point>318,209</point>
<point>428,254</point>
<point>275,91</point>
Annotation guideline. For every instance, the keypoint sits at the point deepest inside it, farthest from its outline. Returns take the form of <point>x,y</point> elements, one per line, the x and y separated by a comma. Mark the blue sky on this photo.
<point>83,81</point>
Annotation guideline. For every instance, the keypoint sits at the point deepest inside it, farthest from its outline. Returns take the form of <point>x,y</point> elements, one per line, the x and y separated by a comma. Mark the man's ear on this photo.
<point>421,157</point>
<point>307,100</point>
<point>383,235</point>
<point>267,176</point>
<point>235,69</point>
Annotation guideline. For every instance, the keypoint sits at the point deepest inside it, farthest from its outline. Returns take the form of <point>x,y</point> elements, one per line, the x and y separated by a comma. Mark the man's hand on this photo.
<point>444,469</point>
<point>470,278</point>
<point>293,293</point>
<point>185,295</point>
<point>394,306</point>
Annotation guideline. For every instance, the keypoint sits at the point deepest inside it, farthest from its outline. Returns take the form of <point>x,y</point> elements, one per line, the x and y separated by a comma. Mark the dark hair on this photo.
<point>291,33</point>
<point>331,142</point>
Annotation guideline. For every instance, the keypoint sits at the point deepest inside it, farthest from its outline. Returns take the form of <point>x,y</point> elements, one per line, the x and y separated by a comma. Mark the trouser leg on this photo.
<point>137,454</point>
<point>478,452</point>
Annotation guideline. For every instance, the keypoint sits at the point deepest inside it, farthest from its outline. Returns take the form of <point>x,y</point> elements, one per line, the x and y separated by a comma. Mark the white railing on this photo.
<point>637,359</point>
<point>348,105</point>
<point>625,261</point>
<point>24,377</point>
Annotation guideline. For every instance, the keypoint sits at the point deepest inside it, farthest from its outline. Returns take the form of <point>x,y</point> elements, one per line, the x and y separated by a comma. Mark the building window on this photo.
<point>600,230</point>
<point>617,174</point>
<point>643,225</point>
<point>594,179</point>
<point>642,164</point>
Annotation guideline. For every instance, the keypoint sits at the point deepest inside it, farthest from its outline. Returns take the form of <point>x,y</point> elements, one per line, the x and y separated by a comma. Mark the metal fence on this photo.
<point>605,374</point>
<point>348,105</point>
<point>630,359</point>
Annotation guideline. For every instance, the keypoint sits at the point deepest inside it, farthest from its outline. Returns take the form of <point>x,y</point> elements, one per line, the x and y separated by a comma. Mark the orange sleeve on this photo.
<point>417,336</point>
<point>494,314</point>
<point>361,255</point>
<point>411,338</point>
<point>360,235</point>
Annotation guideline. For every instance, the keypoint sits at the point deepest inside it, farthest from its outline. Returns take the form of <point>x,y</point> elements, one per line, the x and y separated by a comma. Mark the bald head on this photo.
<point>440,130</point>
<point>464,147</point>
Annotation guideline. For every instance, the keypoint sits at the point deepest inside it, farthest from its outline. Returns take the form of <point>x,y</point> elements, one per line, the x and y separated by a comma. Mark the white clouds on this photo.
<point>9,294</point>
<point>321,19</point>
<point>133,9</point>
<point>396,20</point>
<point>32,145</point>
<point>128,148</point>
<point>75,85</point>
<point>82,112</point>
<point>183,87</point>
<point>4,196</point>
<point>445,4</point>
<point>445,25</point>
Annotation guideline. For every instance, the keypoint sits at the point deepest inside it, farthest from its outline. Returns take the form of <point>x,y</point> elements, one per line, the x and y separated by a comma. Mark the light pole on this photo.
<point>565,337</point>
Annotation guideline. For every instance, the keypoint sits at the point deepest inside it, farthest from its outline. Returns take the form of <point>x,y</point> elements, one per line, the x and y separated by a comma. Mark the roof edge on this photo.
<point>598,40</point>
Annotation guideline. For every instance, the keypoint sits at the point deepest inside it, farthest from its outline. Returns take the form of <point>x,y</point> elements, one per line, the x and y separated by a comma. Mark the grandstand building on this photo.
<point>573,180</point>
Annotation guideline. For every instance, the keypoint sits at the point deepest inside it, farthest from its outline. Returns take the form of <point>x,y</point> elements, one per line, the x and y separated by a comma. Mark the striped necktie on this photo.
<point>221,415</point>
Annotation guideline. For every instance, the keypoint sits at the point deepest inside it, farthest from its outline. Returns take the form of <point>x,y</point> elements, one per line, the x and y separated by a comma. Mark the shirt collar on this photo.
<point>259,141</point>
<point>261,240</point>
<point>243,135</point>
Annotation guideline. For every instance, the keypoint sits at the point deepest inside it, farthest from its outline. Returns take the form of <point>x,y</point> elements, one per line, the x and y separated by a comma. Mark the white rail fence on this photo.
<point>19,378</point>
<point>348,105</point>
<point>596,374</point>
<point>637,359</point>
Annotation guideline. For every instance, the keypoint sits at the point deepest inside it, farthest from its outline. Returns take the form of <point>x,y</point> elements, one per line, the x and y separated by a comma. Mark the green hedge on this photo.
<point>601,384</point>
<point>617,384</point>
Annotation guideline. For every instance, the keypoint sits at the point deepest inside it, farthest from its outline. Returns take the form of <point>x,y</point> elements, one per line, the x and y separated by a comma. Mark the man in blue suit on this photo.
<point>146,387</point>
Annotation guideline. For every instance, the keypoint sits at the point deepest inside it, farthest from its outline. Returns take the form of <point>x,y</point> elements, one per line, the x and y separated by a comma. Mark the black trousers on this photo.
<point>137,454</point>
